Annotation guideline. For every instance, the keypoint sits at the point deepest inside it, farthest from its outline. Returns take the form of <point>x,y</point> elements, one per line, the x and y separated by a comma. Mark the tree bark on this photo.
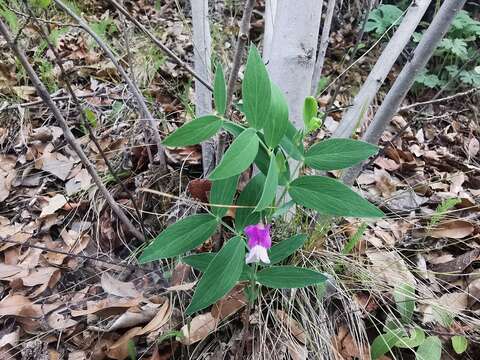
<point>327,24</point>
<point>356,113</point>
<point>291,54</point>
<point>202,52</point>
<point>427,45</point>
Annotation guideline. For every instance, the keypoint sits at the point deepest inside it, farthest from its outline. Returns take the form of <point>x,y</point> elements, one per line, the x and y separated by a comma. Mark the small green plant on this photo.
<point>271,142</point>
<point>382,18</point>
<point>442,210</point>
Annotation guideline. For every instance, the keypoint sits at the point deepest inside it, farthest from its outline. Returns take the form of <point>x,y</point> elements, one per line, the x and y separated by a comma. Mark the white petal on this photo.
<point>257,253</point>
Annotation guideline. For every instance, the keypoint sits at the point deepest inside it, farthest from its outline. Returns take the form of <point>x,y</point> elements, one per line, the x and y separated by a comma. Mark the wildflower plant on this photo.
<point>271,142</point>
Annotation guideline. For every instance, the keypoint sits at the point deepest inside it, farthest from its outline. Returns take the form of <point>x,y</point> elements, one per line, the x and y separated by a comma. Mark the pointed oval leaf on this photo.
<point>417,337</point>
<point>249,198</point>
<point>180,237</point>
<point>288,277</point>
<point>201,261</point>
<point>333,154</point>
<point>220,276</point>
<point>194,132</point>
<point>285,248</point>
<point>330,197</point>
<point>220,90</point>
<point>238,157</point>
<point>276,122</point>
<point>404,296</point>
<point>383,343</point>
<point>431,349</point>
<point>292,143</point>
<point>459,343</point>
<point>222,193</point>
<point>256,90</point>
<point>270,186</point>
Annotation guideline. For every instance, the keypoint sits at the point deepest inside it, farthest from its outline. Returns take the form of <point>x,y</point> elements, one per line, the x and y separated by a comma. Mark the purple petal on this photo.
<point>258,235</point>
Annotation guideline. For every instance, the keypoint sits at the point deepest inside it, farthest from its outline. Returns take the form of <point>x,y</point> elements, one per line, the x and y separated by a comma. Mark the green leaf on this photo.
<point>292,143</point>
<point>256,90</point>
<point>233,128</point>
<point>201,261</point>
<point>431,349</point>
<point>416,338</point>
<point>333,154</point>
<point>459,344</point>
<point>222,193</point>
<point>288,277</point>
<point>249,198</point>
<point>220,90</point>
<point>310,109</point>
<point>194,132</point>
<point>354,239</point>
<point>262,160</point>
<point>180,237</point>
<point>131,350</point>
<point>238,157</point>
<point>330,197</point>
<point>383,343</point>
<point>91,118</point>
<point>270,186</point>
<point>285,248</point>
<point>42,4</point>
<point>404,296</point>
<point>283,168</point>
<point>276,122</point>
<point>220,276</point>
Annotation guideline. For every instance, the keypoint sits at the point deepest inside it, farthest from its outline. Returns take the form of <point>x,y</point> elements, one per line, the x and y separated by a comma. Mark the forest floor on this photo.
<point>70,287</point>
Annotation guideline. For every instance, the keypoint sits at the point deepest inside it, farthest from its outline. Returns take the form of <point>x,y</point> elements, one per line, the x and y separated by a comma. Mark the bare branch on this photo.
<point>43,93</point>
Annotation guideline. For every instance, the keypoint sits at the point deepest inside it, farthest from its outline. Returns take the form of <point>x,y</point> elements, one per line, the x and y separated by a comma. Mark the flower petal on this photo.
<point>258,235</point>
<point>256,254</point>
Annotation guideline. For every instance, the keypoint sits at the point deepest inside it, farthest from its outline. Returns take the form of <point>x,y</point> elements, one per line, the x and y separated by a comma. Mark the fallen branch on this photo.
<point>54,98</point>
<point>43,93</point>
<point>146,114</point>
<point>243,37</point>
<point>157,42</point>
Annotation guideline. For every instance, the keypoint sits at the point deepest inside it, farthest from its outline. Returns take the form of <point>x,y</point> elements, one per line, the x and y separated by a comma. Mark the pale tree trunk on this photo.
<point>269,17</point>
<point>327,24</point>
<point>202,54</point>
<point>356,113</point>
<point>430,39</point>
<point>291,53</point>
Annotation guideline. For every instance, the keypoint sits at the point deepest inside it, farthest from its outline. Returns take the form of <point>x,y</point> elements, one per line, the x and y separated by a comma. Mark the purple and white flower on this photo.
<point>259,242</point>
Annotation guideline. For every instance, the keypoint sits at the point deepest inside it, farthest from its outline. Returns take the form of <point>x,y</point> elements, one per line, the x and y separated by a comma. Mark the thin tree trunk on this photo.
<point>269,19</point>
<point>430,40</point>
<point>202,43</point>
<point>292,52</point>
<point>327,24</point>
<point>43,93</point>
<point>243,37</point>
<point>356,113</point>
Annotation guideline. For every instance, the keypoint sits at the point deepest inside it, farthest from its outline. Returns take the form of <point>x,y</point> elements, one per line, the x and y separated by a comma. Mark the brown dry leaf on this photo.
<point>56,163</point>
<point>10,338</point>
<point>58,321</point>
<point>159,320</point>
<point>19,305</point>
<point>453,229</point>
<point>107,306</point>
<point>134,317</point>
<point>230,303</point>
<point>119,349</point>
<point>473,147</point>
<point>7,174</point>
<point>450,303</point>
<point>11,271</point>
<point>198,329</point>
<point>119,288</point>
<point>292,326</point>
<point>346,348</point>
<point>448,270</point>
<point>384,182</point>
<point>81,181</point>
<point>390,267</point>
<point>297,351</point>
<point>182,287</point>
<point>55,203</point>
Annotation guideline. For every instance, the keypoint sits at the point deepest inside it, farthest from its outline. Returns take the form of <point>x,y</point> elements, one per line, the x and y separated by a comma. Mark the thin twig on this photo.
<point>435,101</point>
<point>157,42</point>
<point>243,37</point>
<point>85,121</point>
<point>54,98</point>
<point>43,93</point>
<point>133,88</point>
